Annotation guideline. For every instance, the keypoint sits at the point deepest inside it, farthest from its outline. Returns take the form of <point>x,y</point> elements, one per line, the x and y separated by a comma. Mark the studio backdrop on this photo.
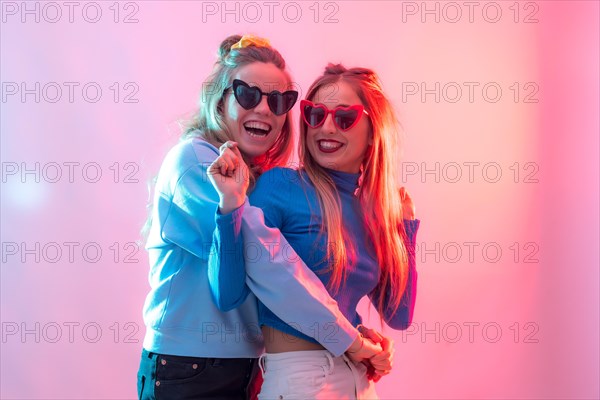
<point>498,102</point>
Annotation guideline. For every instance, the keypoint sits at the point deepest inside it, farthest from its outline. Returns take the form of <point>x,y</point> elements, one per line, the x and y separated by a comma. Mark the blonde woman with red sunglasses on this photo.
<point>341,213</point>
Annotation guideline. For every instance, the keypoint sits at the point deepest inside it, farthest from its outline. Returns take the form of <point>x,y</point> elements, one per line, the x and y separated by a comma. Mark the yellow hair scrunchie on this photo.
<point>249,40</point>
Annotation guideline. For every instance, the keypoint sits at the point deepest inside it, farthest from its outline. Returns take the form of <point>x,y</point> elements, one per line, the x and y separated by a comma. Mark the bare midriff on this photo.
<point>277,341</point>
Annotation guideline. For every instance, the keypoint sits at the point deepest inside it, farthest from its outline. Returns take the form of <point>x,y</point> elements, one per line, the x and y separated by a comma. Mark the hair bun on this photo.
<point>226,44</point>
<point>335,69</point>
<point>339,69</point>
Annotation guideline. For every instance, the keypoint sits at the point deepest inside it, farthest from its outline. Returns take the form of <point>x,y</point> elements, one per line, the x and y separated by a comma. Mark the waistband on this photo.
<point>317,358</point>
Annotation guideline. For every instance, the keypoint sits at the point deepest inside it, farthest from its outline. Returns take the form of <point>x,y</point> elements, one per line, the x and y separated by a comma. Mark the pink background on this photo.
<point>522,323</point>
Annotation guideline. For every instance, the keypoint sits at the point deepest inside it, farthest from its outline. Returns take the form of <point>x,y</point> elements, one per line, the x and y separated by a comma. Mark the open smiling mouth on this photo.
<point>329,146</point>
<point>257,129</point>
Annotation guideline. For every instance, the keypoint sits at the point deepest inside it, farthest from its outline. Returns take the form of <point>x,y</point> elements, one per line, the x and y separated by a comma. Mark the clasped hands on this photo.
<point>373,350</point>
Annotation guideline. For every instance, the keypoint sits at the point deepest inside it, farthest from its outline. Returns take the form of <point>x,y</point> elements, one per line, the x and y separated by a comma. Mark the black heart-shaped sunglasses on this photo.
<point>250,96</point>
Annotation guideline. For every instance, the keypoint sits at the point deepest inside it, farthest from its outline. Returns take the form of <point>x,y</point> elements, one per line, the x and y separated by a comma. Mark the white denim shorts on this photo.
<point>313,374</point>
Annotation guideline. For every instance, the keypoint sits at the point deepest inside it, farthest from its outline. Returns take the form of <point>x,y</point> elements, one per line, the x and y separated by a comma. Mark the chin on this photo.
<point>253,150</point>
<point>330,164</point>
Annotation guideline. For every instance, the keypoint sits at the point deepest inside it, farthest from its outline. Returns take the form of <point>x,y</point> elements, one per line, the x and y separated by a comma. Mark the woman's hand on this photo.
<point>363,349</point>
<point>229,175</point>
<point>381,364</point>
<point>408,207</point>
<point>378,364</point>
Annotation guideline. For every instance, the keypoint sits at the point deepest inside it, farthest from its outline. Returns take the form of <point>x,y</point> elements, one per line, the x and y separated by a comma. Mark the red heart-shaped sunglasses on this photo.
<point>344,118</point>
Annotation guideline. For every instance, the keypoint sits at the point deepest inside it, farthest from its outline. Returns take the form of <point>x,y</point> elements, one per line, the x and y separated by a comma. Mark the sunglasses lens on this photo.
<point>280,103</point>
<point>313,116</point>
<point>248,97</point>
<point>344,119</point>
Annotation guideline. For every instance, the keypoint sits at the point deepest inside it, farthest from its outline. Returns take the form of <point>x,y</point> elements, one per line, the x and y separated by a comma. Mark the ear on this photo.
<point>370,139</point>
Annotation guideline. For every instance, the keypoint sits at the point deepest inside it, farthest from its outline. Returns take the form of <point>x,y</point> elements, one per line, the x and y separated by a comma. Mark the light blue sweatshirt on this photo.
<point>180,313</point>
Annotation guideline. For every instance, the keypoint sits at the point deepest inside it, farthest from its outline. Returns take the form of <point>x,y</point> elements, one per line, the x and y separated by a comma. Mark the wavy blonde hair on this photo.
<point>378,192</point>
<point>209,123</point>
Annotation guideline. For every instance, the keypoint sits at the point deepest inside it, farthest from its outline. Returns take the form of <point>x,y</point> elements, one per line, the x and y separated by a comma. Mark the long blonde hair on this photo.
<point>378,193</point>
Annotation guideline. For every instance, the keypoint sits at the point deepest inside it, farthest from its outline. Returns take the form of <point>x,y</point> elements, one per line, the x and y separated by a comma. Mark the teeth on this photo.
<point>329,145</point>
<point>257,125</point>
<point>256,134</point>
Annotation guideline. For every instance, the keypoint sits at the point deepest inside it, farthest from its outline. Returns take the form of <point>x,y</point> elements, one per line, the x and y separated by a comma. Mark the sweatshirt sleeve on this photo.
<point>226,268</point>
<point>266,264</point>
<point>285,285</point>
<point>402,318</point>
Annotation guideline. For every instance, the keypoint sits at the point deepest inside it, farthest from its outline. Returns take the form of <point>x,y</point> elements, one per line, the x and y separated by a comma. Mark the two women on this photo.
<point>343,214</point>
<point>192,349</point>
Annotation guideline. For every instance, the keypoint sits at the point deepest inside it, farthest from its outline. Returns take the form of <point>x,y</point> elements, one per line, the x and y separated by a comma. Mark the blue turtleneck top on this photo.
<point>290,204</point>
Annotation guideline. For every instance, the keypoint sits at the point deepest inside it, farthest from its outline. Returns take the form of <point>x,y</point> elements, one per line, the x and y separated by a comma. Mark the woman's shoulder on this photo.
<point>279,175</point>
<point>189,156</point>
<point>189,153</point>
<point>194,149</point>
<point>277,183</point>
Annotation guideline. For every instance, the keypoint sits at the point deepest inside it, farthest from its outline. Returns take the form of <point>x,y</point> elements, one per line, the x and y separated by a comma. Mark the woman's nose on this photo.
<point>329,126</point>
<point>263,106</point>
